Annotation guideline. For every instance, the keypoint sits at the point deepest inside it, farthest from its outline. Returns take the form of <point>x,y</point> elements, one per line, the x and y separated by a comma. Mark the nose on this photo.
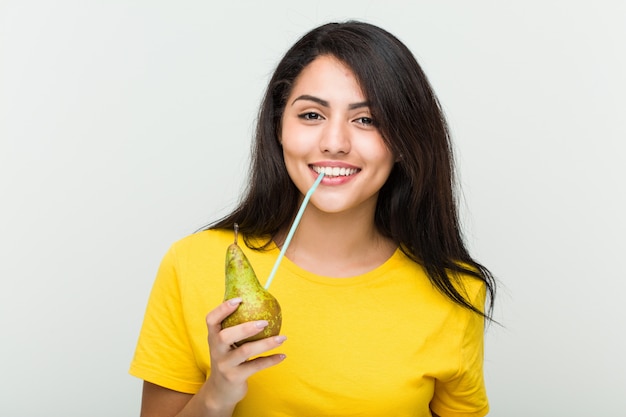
<point>335,138</point>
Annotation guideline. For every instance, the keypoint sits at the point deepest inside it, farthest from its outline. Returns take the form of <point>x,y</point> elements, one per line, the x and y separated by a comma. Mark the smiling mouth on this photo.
<point>335,171</point>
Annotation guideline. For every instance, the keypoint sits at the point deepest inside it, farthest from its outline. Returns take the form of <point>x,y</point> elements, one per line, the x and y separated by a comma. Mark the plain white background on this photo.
<point>125,125</point>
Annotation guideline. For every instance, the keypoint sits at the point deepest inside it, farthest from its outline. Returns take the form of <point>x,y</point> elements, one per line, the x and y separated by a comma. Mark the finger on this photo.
<point>218,314</point>
<point>234,334</point>
<point>253,349</point>
<point>258,364</point>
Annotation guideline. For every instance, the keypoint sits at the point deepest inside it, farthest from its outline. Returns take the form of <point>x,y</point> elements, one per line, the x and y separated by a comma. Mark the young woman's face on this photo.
<point>327,126</point>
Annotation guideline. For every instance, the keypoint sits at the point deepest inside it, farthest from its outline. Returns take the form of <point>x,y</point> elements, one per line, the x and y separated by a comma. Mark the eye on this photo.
<point>365,121</point>
<point>310,116</point>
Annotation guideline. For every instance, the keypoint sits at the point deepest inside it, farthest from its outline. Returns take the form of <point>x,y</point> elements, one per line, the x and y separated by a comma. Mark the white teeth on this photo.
<point>335,171</point>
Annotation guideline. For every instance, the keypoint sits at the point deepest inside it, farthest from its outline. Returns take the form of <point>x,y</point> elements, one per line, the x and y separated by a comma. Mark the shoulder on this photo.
<point>201,244</point>
<point>473,289</point>
<point>190,254</point>
<point>203,239</point>
<point>207,249</point>
<point>214,239</point>
<point>469,286</point>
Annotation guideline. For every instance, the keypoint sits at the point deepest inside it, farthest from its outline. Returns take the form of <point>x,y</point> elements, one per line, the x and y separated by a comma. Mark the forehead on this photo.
<point>329,76</point>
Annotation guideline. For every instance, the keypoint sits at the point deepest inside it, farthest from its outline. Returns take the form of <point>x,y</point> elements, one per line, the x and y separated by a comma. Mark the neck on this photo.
<point>337,245</point>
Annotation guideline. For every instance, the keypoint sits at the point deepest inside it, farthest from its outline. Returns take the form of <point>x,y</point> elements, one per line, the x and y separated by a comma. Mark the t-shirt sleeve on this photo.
<point>163,355</point>
<point>464,394</point>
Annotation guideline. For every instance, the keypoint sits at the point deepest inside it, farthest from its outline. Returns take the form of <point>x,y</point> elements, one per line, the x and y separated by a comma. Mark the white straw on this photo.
<point>293,229</point>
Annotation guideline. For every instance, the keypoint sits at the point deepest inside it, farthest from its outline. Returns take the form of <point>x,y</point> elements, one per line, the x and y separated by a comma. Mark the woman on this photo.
<point>383,306</point>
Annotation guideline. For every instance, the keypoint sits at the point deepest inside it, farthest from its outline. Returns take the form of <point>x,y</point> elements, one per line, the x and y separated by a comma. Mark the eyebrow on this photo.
<point>325,103</point>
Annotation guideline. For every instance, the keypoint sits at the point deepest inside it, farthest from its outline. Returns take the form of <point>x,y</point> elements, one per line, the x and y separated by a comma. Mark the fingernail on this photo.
<point>280,339</point>
<point>261,324</point>
<point>235,301</point>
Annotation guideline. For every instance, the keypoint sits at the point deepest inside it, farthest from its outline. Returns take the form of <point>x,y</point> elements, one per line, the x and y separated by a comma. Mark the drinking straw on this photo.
<point>293,229</point>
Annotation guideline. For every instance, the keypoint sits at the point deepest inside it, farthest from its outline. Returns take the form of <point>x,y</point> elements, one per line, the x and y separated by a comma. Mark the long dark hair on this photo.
<point>416,207</point>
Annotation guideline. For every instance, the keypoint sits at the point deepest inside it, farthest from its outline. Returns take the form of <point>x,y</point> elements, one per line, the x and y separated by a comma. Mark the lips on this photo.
<point>335,171</point>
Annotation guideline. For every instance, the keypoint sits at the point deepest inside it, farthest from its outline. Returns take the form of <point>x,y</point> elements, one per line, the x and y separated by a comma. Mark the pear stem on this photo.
<point>236,232</point>
<point>292,230</point>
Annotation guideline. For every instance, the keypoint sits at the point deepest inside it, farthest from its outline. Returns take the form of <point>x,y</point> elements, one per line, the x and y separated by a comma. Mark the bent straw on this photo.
<point>293,228</point>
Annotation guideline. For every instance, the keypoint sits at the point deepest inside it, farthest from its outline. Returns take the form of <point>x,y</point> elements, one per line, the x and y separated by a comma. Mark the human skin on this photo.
<point>327,123</point>
<point>230,370</point>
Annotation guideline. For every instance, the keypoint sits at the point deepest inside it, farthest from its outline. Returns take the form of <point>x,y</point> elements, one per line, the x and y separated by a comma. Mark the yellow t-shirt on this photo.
<point>385,343</point>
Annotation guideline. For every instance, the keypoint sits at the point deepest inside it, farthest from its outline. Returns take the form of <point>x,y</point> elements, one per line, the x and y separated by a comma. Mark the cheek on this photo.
<point>295,142</point>
<point>379,153</point>
<point>385,162</point>
<point>294,152</point>
<point>292,149</point>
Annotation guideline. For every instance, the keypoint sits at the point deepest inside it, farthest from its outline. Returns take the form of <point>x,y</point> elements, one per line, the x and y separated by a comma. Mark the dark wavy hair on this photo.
<point>416,207</point>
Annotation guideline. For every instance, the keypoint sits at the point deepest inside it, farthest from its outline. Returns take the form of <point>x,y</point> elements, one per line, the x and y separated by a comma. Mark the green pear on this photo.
<point>257,304</point>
